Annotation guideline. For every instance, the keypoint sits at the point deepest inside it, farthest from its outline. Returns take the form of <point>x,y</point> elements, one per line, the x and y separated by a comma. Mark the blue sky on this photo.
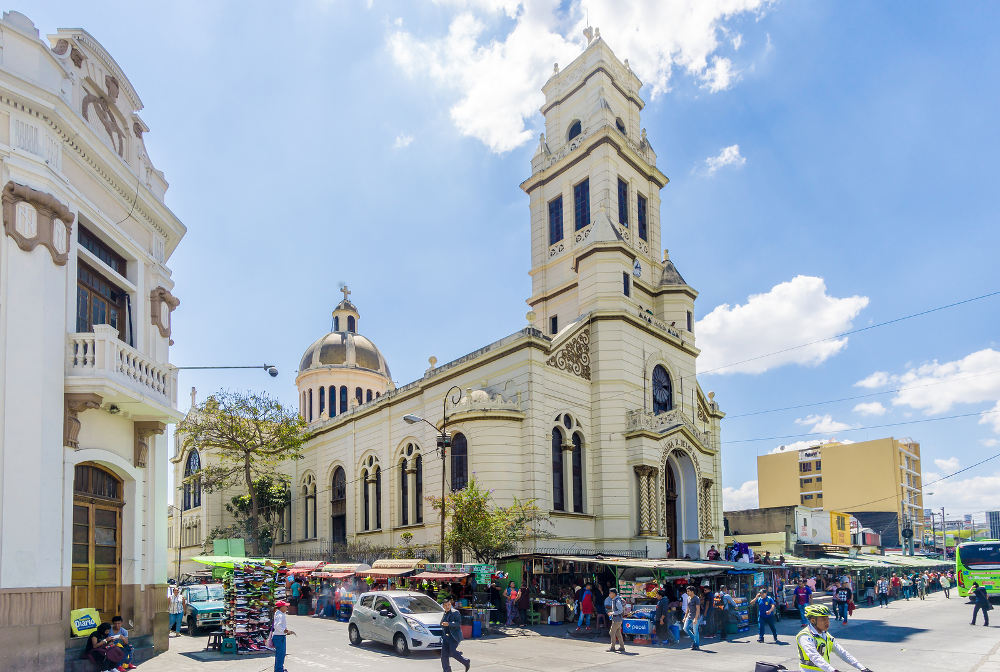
<point>835,159</point>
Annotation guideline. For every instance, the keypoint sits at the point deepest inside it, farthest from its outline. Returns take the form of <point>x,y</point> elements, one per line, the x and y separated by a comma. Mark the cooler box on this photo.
<point>636,626</point>
<point>477,628</point>
<point>676,629</point>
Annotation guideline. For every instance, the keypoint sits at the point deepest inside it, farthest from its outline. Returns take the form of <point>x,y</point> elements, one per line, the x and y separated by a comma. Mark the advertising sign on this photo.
<point>840,532</point>
<point>84,621</point>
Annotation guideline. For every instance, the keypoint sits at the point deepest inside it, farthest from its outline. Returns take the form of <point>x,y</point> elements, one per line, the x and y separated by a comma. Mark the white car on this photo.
<point>407,620</point>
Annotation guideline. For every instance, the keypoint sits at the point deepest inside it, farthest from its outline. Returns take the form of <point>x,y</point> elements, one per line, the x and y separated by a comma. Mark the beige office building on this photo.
<point>877,481</point>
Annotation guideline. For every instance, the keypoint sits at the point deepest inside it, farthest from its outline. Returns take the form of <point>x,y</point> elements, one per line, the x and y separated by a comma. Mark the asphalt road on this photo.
<point>914,636</point>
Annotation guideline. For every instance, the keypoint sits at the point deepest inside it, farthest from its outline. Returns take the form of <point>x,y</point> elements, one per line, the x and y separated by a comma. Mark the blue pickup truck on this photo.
<point>205,609</point>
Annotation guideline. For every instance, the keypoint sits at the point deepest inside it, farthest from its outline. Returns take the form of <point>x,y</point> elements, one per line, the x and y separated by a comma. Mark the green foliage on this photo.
<point>484,529</point>
<point>247,436</point>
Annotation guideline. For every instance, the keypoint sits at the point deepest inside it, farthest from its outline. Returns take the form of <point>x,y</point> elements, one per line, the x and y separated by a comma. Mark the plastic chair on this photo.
<point>600,620</point>
<point>214,641</point>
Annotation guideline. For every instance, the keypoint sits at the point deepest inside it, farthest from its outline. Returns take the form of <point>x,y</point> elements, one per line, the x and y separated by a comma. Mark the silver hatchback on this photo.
<point>409,621</point>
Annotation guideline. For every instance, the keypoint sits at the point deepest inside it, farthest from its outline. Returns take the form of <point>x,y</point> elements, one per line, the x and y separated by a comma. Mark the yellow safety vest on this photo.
<point>824,644</point>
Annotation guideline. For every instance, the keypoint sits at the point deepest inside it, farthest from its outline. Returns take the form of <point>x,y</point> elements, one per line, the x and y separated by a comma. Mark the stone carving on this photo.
<point>161,304</point>
<point>62,46</point>
<point>705,523</point>
<point>76,56</point>
<point>638,420</point>
<point>76,404</point>
<point>137,129</point>
<point>31,217</point>
<point>574,356</point>
<point>647,499</point>
<point>702,414</point>
<point>107,119</point>
<point>584,234</point>
<point>556,249</point>
<point>143,431</point>
<point>111,86</point>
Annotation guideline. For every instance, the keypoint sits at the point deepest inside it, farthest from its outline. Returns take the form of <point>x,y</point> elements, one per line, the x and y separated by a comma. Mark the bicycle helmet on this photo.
<point>817,610</point>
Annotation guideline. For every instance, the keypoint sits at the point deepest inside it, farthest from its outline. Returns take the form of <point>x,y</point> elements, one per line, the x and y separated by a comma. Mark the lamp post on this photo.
<point>271,369</point>
<point>443,442</point>
<point>180,518</point>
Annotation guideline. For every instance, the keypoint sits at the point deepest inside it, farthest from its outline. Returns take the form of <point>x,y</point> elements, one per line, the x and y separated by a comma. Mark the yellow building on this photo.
<point>877,481</point>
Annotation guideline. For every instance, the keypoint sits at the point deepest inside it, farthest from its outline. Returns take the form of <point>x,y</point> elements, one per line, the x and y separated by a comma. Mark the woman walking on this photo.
<point>511,595</point>
<point>945,586</point>
<point>882,591</point>
<point>278,636</point>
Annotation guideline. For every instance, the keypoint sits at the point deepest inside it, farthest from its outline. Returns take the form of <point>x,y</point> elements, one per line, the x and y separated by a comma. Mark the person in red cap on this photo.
<point>278,637</point>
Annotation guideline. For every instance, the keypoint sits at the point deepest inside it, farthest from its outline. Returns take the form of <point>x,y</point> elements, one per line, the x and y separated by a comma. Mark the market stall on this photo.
<point>391,574</point>
<point>339,584</point>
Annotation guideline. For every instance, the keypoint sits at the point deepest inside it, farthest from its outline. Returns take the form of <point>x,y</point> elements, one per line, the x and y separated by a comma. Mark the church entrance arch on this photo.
<point>680,499</point>
<point>97,540</point>
<point>670,529</point>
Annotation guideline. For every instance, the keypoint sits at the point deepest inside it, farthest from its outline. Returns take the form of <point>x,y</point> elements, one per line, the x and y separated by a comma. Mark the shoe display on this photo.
<point>250,593</point>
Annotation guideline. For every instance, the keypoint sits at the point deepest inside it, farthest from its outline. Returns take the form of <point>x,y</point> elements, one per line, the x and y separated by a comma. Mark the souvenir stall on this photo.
<point>301,572</point>
<point>339,583</point>
<point>251,590</point>
<point>460,582</point>
<point>390,574</point>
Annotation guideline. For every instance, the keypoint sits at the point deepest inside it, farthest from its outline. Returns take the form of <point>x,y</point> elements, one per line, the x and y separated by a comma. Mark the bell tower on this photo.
<point>595,198</point>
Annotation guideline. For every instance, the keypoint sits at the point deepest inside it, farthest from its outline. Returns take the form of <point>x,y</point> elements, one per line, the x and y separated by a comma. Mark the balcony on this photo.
<point>639,420</point>
<point>100,363</point>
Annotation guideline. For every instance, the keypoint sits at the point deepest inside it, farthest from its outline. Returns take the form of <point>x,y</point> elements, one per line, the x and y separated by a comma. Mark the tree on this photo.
<point>273,495</point>
<point>486,530</point>
<point>248,435</point>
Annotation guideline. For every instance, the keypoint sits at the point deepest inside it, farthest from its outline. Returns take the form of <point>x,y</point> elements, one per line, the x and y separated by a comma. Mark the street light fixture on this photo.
<point>443,443</point>
<point>271,369</point>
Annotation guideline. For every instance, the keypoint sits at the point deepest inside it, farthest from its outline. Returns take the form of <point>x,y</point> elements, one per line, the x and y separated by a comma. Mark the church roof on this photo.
<point>671,276</point>
<point>344,349</point>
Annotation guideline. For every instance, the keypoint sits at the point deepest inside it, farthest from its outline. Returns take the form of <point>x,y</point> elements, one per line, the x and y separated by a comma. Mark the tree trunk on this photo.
<point>254,523</point>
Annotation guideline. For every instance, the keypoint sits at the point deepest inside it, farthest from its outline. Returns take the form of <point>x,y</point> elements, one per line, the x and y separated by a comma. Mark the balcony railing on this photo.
<point>101,354</point>
<point>660,422</point>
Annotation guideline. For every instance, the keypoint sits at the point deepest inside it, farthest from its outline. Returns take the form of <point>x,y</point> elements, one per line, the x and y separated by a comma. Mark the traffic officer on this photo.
<point>816,644</point>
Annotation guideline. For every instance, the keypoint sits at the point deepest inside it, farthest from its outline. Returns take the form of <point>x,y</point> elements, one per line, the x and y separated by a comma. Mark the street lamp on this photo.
<point>443,442</point>
<point>271,369</point>
<point>180,518</point>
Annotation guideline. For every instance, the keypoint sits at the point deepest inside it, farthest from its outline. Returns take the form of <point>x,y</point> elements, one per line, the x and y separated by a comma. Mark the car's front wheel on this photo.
<point>192,626</point>
<point>400,644</point>
<point>354,635</point>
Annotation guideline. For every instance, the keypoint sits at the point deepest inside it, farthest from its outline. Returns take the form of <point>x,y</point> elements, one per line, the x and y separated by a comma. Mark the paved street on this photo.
<point>918,636</point>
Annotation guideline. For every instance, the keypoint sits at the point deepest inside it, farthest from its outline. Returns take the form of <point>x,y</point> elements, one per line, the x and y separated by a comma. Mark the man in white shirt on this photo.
<point>280,623</point>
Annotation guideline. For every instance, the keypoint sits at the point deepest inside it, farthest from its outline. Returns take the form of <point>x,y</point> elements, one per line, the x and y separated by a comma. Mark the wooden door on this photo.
<point>97,542</point>
<point>671,514</point>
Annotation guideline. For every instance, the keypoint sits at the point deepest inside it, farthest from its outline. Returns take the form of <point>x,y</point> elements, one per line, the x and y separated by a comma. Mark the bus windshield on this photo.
<point>980,556</point>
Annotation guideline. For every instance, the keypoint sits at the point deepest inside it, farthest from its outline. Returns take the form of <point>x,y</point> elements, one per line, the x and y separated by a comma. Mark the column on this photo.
<point>372,504</point>
<point>644,492</point>
<point>567,473</point>
<point>411,496</point>
<point>652,508</point>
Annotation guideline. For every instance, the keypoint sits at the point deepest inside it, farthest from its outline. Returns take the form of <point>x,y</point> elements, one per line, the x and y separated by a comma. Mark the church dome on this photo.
<point>344,349</point>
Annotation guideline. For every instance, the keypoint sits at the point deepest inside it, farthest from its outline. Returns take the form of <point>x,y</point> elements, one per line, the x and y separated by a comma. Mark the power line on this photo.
<point>855,429</point>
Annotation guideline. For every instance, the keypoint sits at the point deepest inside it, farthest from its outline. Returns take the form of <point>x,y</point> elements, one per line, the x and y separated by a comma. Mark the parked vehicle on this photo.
<point>409,621</point>
<point>205,608</point>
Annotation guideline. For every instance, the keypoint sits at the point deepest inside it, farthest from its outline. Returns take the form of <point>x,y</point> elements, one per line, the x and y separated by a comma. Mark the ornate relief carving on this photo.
<point>706,526</point>
<point>137,129</point>
<point>702,413</point>
<point>111,86</point>
<point>584,233</point>
<point>76,404</point>
<point>161,304</point>
<point>31,218</point>
<point>62,46</point>
<point>647,499</point>
<point>574,356</point>
<point>556,249</point>
<point>76,56</point>
<point>143,431</point>
<point>107,119</point>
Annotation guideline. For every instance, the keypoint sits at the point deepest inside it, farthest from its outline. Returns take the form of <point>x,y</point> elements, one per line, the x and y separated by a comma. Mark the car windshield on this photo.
<point>417,604</point>
<point>979,555</point>
<point>204,593</point>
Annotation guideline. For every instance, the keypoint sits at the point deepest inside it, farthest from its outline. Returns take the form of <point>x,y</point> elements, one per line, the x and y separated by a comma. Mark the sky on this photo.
<point>831,164</point>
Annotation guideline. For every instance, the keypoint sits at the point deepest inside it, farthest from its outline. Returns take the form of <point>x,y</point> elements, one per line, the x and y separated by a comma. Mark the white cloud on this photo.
<point>992,418</point>
<point>963,495</point>
<point>497,53</point>
<point>729,156</point>
<point>870,408</point>
<point>822,423</point>
<point>877,379</point>
<point>990,443</point>
<point>402,140</point>
<point>738,42</point>
<point>790,314</point>
<point>738,499</point>
<point>803,445</point>
<point>950,465</point>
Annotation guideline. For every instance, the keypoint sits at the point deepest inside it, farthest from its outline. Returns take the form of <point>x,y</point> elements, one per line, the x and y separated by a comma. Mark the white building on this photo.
<point>86,389</point>
<point>593,409</point>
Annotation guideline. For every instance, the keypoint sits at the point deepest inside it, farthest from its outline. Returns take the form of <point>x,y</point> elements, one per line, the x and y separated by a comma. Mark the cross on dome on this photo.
<point>346,292</point>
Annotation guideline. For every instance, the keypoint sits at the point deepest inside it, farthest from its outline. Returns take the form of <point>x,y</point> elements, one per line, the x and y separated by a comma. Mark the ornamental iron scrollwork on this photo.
<point>574,357</point>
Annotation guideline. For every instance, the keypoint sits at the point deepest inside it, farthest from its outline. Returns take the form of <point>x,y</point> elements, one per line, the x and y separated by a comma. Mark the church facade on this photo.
<point>86,387</point>
<point>592,409</point>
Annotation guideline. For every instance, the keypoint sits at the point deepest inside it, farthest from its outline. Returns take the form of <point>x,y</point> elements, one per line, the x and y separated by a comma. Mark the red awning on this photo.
<point>333,575</point>
<point>439,576</point>
<point>388,572</point>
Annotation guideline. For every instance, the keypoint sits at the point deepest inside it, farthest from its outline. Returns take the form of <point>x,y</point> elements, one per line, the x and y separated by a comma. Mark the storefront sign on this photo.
<point>759,579</point>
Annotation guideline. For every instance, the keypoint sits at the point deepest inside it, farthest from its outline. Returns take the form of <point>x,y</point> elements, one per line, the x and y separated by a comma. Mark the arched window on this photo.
<point>459,462</point>
<point>368,395</point>
<point>404,493</point>
<point>286,517</point>
<point>333,400</point>
<point>336,323</point>
<point>322,401</point>
<point>338,507</point>
<point>309,511</point>
<point>418,494</point>
<point>192,488</point>
<point>310,405</point>
<point>577,473</point>
<point>558,501</point>
<point>343,398</point>
<point>663,390</point>
<point>359,395</point>
<point>302,405</point>
<point>378,498</point>
<point>350,323</point>
<point>620,125</point>
<point>367,499</point>
<point>574,130</point>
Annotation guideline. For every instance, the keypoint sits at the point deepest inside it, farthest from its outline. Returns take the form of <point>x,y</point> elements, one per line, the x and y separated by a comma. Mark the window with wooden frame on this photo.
<point>98,301</point>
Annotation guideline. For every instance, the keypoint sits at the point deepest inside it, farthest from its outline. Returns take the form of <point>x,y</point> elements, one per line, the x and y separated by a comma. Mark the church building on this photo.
<point>592,409</point>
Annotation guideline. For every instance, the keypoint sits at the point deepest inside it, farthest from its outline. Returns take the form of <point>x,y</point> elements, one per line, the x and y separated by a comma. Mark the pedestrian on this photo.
<point>577,596</point>
<point>523,603</point>
<point>723,606</point>
<point>496,599</point>
<point>816,645</point>
<point>119,637</point>
<point>982,602</point>
<point>278,636</point>
<point>511,595</point>
<point>708,613</point>
<point>615,607</point>
<point>176,605</point>
<point>945,585</point>
<point>713,553</point>
<point>803,597</point>
<point>692,617</point>
<point>882,591</point>
<point>321,599</point>
<point>586,607</point>
<point>451,637</point>
<point>767,612</point>
<point>907,584</point>
<point>841,598</point>
<point>921,582</point>
<point>296,592</point>
<point>664,620</point>
<point>895,586</point>
<point>870,590</point>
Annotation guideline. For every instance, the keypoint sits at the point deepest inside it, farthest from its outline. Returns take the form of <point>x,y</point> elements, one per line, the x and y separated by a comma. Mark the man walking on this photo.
<point>882,591</point>
<point>767,611</point>
<point>841,598</point>
<point>664,620</point>
<point>451,636</point>
<point>692,617</point>
<point>615,607</point>
<point>945,585</point>
<point>982,601</point>
<point>723,605</point>
<point>803,597</point>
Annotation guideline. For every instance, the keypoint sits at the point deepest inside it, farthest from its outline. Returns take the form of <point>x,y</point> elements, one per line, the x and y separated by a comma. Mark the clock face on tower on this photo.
<point>637,269</point>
